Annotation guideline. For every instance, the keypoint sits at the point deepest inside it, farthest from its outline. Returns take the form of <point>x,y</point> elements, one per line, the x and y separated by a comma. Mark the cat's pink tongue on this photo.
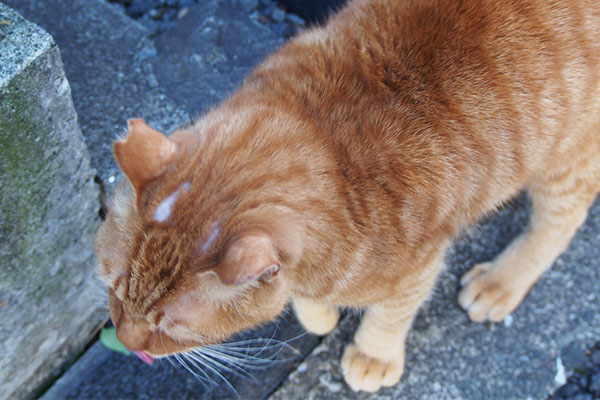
<point>145,357</point>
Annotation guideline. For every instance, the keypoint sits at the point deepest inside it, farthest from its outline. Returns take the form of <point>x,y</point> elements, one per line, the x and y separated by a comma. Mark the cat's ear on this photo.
<point>144,154</point>
<point>249,257</point>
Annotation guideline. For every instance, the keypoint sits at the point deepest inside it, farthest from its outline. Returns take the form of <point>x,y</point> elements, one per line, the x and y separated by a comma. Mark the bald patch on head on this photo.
<point>164,209</point>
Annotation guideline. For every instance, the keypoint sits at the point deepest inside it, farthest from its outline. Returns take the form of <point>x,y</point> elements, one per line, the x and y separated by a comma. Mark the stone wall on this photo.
<point>49,203</point>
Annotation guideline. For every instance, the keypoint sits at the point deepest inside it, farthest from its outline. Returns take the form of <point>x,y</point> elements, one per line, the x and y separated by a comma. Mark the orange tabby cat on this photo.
<point>341,169</point>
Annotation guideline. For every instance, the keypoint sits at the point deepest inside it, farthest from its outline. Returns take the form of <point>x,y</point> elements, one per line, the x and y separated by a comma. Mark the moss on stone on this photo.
<point>20,168</point>
<point>29,153</point>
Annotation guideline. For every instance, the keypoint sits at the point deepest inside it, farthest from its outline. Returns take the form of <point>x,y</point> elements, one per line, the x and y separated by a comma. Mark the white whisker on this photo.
<point>243,359</point>
<point>210,367</point>
<point>201,356</point>
<point>196,375</point>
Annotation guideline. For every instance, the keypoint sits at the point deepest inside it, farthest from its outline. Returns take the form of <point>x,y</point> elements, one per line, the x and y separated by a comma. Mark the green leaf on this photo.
<point>108,337</point>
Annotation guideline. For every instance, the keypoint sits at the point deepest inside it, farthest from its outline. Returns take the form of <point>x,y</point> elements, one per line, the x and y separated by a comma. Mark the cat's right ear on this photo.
<point>144,154</point>
<point>248,258</point>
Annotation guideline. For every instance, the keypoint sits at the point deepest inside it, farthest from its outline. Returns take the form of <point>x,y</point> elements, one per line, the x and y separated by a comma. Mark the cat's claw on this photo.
<point>369,374</point>
<point>488,294</point>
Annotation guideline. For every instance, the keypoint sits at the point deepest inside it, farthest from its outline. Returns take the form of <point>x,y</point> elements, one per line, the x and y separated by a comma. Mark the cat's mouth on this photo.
<point>145,357</point>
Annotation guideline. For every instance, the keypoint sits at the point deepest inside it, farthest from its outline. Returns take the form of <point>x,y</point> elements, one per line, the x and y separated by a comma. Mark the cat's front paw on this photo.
<point>489,293</point>
<point>316,318</point>
<point>369,374</point>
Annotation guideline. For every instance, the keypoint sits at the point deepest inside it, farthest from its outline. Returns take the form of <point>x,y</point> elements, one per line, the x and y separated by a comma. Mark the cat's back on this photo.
<point>462,25</point>
<point>441,45</point>
<point>434,60</point>
<point>486,93</point>
<point>505,70</point>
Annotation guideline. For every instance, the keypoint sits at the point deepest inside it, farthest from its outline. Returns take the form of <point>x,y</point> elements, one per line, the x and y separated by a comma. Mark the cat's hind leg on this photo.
<point>560,199</point>
<point>317,318</point>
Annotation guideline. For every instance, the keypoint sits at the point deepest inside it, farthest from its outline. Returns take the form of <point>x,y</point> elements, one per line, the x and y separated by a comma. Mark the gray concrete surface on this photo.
<point>49,209</point>
<point>209,53</point>
<point>22,43</point>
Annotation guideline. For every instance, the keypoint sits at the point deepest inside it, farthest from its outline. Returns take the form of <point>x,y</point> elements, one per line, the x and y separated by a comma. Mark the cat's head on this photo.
<point>187,263</point>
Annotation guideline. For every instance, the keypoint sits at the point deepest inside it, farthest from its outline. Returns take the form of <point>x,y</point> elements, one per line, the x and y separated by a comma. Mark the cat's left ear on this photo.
<point>144,154</point>
<point>249,257</point>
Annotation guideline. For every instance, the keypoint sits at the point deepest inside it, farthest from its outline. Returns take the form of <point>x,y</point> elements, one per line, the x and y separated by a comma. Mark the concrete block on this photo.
<point>49,206</point>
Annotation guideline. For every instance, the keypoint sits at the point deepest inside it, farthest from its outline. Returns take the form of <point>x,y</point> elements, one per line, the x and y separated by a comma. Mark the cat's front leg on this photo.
<point>376,358</point>
<point>317,318</point>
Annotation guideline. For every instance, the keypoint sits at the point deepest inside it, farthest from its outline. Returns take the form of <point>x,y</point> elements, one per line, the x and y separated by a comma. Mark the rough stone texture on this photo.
<point>313,11</point>
<point>450,357</point>
<point>106,60</point>
<point>209,53</point>
<point>584,382</point>
<point>25,43</point>
<point>49,213</point>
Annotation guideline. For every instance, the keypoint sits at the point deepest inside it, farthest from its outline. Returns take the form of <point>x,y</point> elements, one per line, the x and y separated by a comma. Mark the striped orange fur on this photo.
<point>345,164</point>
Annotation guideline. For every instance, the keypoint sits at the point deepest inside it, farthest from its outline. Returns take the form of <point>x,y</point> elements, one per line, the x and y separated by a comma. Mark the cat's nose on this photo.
<point>134,333</point>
